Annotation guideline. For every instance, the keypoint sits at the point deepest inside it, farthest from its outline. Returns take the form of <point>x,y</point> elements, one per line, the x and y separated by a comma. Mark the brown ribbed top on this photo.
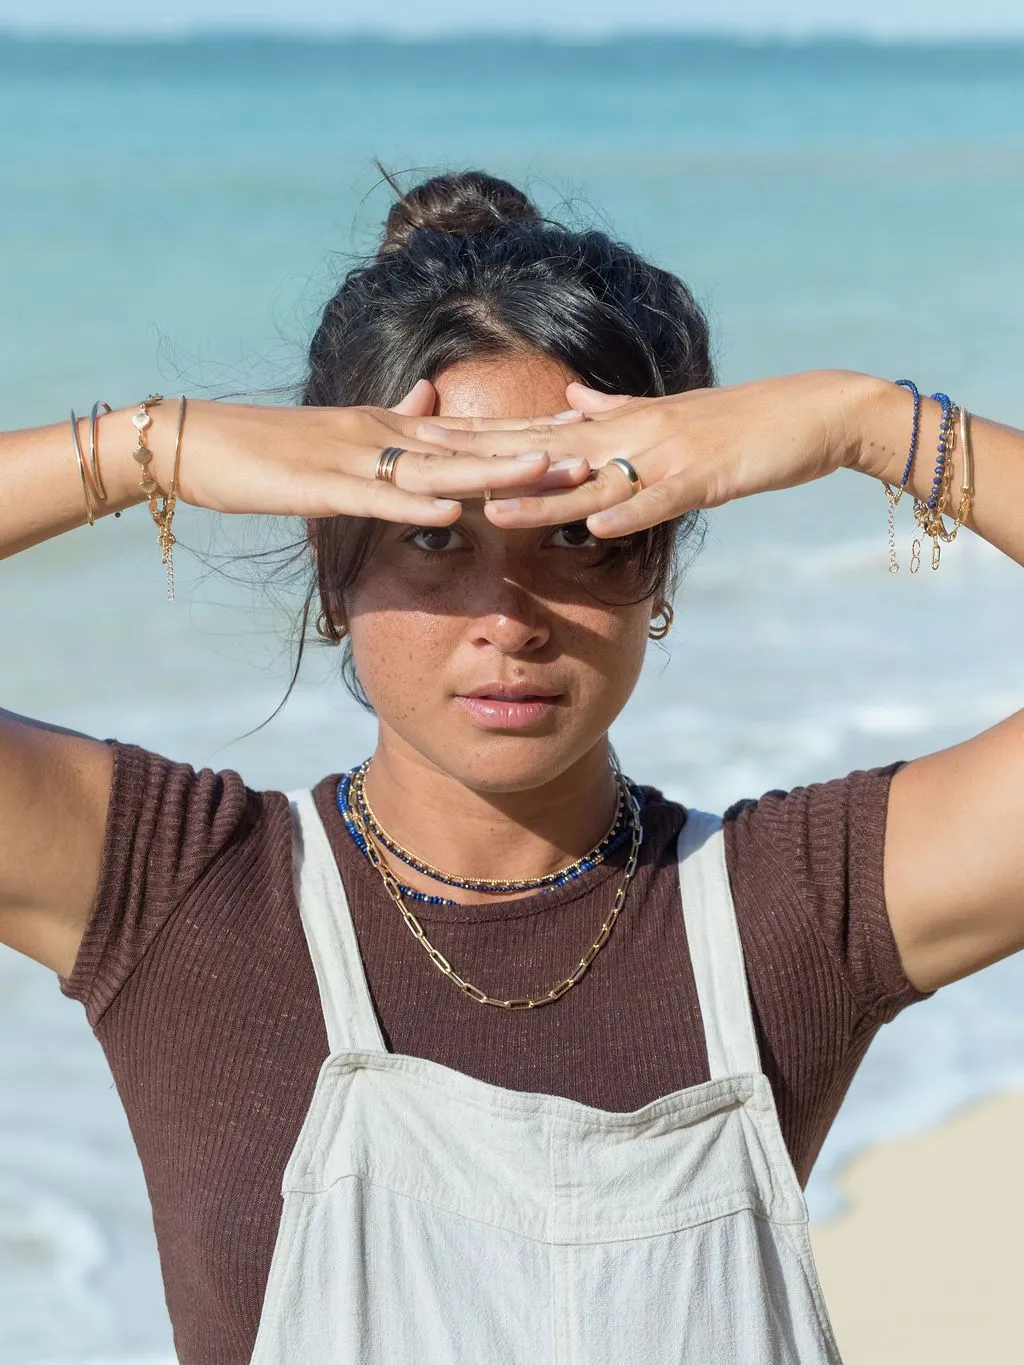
<point>196,978</point>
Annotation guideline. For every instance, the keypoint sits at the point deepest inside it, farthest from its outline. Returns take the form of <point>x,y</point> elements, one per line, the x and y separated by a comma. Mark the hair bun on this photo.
<point>462,204</point>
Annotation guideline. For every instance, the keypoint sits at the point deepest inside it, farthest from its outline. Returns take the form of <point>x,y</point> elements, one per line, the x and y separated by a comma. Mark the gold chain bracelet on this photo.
<point>161,505</point>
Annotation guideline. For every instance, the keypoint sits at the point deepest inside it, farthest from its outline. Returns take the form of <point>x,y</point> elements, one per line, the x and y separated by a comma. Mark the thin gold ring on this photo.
<point>635,483</point>
<point>386,462</point>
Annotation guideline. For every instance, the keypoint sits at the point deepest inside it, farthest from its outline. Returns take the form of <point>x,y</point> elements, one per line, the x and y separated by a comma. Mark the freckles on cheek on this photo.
<point>402,659</point>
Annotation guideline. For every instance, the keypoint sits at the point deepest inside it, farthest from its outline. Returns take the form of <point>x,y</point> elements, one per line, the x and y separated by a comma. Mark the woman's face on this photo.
<point>486,651</point>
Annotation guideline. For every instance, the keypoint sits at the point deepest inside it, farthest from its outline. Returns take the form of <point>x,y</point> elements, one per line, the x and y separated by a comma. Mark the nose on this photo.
<point>510,619</point>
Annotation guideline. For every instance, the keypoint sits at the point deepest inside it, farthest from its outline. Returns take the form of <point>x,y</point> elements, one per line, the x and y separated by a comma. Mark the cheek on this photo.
<point>400,651</point>
<point>608,645</point>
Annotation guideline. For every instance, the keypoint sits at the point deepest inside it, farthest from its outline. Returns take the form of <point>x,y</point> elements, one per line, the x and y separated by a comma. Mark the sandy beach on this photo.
<point>924,1267</point>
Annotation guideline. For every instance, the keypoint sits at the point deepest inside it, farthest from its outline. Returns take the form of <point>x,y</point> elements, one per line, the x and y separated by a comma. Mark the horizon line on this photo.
<point>568,36</point>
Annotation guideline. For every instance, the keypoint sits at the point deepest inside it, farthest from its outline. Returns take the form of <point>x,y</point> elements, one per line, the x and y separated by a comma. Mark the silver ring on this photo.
<point>386,462</point>
<point>635,482</point>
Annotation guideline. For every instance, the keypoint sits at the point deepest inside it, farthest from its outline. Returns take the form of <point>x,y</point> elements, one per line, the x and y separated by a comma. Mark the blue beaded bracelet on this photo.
<point>894,494</point>
<point>928,512</point>
<point>915,434</point>
<point>944,447</point>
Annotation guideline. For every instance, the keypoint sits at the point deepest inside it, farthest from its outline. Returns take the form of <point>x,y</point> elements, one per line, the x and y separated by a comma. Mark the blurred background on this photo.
<point>180,193</point>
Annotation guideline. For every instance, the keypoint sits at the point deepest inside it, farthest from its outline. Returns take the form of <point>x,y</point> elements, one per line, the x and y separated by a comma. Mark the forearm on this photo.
<point>40,486</point>
<point>878,445</point>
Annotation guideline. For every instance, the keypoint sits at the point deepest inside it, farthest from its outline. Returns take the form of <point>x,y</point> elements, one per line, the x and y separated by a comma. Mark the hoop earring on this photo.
<point>667,617</point>
<point>328,631</point>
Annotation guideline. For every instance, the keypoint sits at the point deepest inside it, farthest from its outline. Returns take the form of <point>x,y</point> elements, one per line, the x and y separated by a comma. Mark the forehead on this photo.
<point>525,384</point>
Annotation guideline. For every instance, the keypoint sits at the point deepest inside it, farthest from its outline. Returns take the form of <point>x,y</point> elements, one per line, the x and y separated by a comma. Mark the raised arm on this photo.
<point>55,785</point>
<point>954,851</point>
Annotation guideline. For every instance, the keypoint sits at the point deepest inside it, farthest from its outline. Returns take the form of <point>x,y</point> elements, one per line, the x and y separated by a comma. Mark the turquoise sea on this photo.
<point>174,215</point>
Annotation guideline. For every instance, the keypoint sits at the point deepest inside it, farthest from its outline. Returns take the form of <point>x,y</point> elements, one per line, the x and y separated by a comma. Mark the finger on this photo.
<point>604,489</point>
<point>458,475</point>
<point>661,502</point>
<point>345,495</point>
<point>419,401</point>
<point>558,440</point>
<point>564,474</point>
<point>483,423</point>
<point>507,423</point>
<point>588,400</point>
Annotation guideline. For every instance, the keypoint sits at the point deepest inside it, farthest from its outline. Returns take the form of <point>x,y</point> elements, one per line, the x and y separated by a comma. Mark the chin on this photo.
<point>501,763</point>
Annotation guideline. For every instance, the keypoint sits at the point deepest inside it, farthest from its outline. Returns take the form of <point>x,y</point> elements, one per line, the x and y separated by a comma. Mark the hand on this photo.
<point>691,450</point>
<point>318,462</point>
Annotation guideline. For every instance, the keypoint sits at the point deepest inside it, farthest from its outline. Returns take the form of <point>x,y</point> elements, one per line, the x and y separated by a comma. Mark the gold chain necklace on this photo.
<point>394,890</point>
<point>361,802</point>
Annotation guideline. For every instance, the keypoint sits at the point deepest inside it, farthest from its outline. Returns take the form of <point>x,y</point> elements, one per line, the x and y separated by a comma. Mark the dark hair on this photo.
<point>468,267</point>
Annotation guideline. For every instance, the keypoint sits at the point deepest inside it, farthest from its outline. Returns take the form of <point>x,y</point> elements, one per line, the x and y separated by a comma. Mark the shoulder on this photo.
<point>808,865</point>
<point>815,830</point>
<point>174,834</point>
<point>182,817</point>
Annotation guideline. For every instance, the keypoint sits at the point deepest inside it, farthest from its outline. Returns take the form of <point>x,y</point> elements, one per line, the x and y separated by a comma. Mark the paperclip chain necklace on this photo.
<point>394,890</point>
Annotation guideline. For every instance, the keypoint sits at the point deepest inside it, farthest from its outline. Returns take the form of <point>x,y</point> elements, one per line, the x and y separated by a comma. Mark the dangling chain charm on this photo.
<point>893,495</point>
<point>894,564</point>
<point>164,515</point>
<point>161,506</point>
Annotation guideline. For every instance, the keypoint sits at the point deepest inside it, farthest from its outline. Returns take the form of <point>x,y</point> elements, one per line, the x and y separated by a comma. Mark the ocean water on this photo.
<point>174,216</point>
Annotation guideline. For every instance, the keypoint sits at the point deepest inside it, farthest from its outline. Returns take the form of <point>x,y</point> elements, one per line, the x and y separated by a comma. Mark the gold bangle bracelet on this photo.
<point>90,511</point>
<point>94,463</point>
<point>967,479</point>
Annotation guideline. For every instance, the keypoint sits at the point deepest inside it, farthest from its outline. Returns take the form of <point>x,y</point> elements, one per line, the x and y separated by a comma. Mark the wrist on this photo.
<point>872,425</point>
<point>878,422</point>
<point>118,437</point>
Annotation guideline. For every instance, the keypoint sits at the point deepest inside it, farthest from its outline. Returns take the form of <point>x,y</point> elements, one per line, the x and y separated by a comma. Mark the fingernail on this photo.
<point>569,464</point>
<point>602,521</point>
<point>531,457</point>
<point>566,416</point>
<point>445,504</point>
<point>505,504</point>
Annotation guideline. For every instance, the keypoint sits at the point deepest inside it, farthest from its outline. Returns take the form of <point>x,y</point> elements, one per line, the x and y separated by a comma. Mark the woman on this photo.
<point>495,1140</point>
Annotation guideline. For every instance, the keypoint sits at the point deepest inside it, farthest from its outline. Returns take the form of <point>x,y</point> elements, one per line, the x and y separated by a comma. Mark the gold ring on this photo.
<point>635,483</point>
<point>488,494</point>
<point>386,462</point>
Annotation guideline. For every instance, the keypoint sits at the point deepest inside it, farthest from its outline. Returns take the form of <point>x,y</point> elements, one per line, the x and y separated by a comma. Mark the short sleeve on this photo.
<point>827,841</point>
<point>166,826</point>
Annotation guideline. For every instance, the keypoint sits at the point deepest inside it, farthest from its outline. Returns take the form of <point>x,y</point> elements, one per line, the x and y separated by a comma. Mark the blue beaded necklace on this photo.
<point>615,839</point>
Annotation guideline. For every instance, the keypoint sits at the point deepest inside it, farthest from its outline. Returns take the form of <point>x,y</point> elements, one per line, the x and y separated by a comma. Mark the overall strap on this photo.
<point>715,949</point>
<point>344,993</point>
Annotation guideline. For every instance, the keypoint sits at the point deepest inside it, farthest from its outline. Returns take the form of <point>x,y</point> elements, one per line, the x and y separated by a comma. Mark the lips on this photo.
<point>509,706</point>
<point>512,691</point>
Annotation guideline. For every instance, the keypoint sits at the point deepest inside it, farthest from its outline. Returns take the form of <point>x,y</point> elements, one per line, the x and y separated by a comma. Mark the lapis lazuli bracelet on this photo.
<point>893,495</point>
<point>944,447</point>
<point>915,434</point>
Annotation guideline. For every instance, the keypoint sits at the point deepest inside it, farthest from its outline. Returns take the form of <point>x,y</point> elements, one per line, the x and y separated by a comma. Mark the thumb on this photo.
<point>587,400</point>
<point>419,401</point>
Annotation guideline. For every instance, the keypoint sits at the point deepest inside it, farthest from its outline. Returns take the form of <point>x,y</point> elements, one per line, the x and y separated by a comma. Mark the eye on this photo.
<point>573,536</point>
<point>434,539</point>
